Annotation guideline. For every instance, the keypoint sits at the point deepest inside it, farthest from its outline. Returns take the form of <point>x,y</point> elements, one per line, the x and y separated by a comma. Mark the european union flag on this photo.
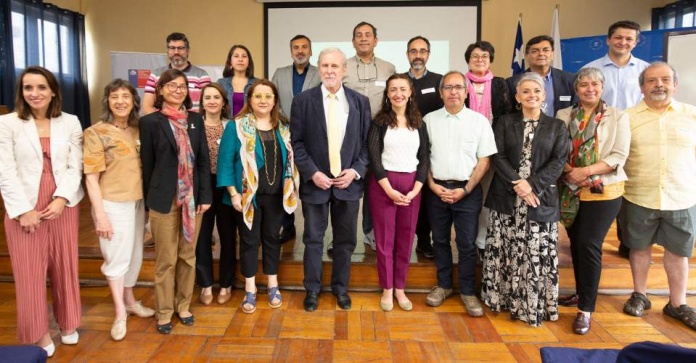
<point>518,53</point>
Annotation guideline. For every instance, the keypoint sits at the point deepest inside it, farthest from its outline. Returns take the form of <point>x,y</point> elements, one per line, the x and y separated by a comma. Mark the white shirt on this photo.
<point>340,112</point>
<point>400,152</point>
<point>457,142</point>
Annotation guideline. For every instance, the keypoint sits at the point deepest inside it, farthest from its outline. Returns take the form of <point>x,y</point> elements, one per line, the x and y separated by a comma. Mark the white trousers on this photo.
<point>123,254</point>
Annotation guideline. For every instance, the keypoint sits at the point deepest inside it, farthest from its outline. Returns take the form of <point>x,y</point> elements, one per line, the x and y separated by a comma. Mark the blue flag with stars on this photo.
<point>518,53</point>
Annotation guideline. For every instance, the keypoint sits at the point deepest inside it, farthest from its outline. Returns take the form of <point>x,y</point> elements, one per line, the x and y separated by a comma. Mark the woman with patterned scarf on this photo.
<point>592,185</point>
<point>177,191</point>
<point>255,164</point>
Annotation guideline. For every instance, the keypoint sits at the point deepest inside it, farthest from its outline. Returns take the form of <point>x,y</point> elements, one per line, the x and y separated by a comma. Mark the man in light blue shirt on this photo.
<point>620,68</point>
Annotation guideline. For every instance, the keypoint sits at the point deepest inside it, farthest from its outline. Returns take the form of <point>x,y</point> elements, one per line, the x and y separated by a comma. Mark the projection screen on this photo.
<point>450,26</point>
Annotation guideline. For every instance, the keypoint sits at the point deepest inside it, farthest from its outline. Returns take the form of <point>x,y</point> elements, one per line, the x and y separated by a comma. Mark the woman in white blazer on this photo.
<point>40,175</point>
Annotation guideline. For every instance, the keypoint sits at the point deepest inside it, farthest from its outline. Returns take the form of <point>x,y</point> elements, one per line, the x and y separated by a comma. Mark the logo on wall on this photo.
<point>596,43</point>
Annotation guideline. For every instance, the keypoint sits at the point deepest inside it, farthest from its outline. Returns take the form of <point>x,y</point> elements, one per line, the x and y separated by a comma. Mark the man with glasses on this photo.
<point>178,54</point>
<point>558,84</point>
<point>367,75</point>
<point>425,86</point>
<point>461,143</point>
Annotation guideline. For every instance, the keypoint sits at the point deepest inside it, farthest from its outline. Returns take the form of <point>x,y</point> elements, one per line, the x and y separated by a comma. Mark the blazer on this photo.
<point>549,153</point>
<point>375,148</point>
<point>500,99</point>
<point>614,137</point>
<point>282,78</point>
<point>158,153</point>
<point>311,146</point>
<point>562,87</point>
<point>21,161</point>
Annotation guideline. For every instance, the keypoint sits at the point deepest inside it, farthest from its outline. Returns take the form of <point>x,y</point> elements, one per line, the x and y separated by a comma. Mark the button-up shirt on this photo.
<point>457,141</point>
<point>549,108</point>
<point>621,88</point>
<point>368,79</point>
<point>661,164</point>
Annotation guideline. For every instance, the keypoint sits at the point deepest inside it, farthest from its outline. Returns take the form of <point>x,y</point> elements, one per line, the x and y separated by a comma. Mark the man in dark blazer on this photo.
<point>329,138</point>
<point>560,92</point>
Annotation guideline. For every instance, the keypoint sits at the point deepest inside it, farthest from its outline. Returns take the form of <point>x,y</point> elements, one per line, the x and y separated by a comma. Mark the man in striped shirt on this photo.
<point>178,53</point>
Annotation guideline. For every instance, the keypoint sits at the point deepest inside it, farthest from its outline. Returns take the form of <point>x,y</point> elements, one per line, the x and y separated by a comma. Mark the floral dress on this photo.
<point>520,273</point>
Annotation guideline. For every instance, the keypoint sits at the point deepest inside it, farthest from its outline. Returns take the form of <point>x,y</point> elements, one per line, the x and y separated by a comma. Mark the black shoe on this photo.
<point>311,301</point>
<point>571,300</point>
<point>165,328</point>
<point>343,301</point>
<point>426,249</point>
<point>287,234</point>
<point>186,321</point>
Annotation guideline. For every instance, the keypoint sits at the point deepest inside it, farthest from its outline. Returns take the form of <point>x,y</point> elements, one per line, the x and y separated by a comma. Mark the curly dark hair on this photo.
<point>387,116</point>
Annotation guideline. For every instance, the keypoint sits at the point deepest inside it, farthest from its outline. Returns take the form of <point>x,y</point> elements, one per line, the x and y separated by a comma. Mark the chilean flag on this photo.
<point>518,53</point>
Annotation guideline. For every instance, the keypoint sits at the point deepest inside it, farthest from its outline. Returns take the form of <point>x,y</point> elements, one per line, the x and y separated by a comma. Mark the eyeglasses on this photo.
<point>450,88</point>
<point>480,56</point>
<point>266,96</point>
<point>421,51</point>
<point>180,49</point>
<point>367,72</point>
<point>173,87</point>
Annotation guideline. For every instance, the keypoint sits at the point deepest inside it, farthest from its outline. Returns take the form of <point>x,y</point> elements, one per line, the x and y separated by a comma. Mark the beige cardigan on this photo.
<point>614,135</point>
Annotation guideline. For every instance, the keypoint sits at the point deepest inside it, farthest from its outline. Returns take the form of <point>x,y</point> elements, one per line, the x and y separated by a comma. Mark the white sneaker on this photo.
<point>70,339</point>
<point>118,329</point>
<point>370,240</point>
<point>50,349</point>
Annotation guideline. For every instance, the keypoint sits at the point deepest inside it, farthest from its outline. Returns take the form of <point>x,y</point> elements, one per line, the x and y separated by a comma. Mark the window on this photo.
<point>679,14</point>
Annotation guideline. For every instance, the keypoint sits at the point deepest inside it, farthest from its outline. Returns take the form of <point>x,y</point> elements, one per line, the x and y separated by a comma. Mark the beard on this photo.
<point>178,61</point>
<point>418,64</point>
<point>658,96</point>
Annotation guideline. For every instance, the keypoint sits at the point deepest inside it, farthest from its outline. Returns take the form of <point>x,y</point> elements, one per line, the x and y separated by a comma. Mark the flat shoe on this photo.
<point>70,339</point>
<point>189,320</point>
<point>405,306</point>
<point>50,349</point>
<point>164,328</point>
<point>206,299</point>
<point>221,299</point>
<point>118,330</point>
<point>139,310</point>
<point>249,299</point>
<point>581,325</point>
<point>386,306</point>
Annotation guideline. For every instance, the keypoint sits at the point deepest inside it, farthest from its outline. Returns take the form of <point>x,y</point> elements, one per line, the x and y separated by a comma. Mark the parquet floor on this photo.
<point>222,333</point>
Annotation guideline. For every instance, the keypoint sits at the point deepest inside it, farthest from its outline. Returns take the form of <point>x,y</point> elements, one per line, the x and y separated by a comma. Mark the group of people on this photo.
<point>503,161</point>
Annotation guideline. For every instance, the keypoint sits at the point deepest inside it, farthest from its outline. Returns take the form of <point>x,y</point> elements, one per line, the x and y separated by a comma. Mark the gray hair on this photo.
<point>530,76</point>
<point>594,74</point>
<point>442,80</point>
<point>329,51</point>
<point>641,78</point>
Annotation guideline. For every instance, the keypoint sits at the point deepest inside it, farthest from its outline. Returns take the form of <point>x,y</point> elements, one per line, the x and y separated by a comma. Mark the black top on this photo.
<point>271,174</point>
<point>500,99</point>
<point>429,101</point>
<point>375,147</point>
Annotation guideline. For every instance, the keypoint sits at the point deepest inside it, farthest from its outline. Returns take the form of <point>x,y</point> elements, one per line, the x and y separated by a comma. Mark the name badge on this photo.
<point>428,90</point>
<point>564,98</point>
<point>380,83</point>
<point>218,141</point>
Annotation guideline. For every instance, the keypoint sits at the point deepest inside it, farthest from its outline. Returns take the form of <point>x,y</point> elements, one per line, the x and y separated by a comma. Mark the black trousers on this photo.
<point>586,238</point>
<point>464,216</point>
<point>268,217</point>
<point>224,216</point>
<point>423,225</point>
<point>344,223</point>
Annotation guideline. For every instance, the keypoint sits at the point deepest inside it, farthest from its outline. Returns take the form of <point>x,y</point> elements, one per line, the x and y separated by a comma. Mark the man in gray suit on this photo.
<point>297,77</point>
<point>291,81</point>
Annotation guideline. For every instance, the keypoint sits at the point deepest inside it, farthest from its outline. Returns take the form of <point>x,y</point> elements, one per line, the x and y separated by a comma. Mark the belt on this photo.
<point>450,184</point>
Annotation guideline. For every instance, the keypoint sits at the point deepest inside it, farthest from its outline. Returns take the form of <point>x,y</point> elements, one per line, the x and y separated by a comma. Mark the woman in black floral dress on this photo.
<point>520,272</point>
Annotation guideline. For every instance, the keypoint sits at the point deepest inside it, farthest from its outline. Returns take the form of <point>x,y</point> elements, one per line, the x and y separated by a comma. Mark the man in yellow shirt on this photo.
<point>660,197</point>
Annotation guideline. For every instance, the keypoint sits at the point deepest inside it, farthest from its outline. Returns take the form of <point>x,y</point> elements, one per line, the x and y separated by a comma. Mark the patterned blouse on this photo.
<point>213,133</point>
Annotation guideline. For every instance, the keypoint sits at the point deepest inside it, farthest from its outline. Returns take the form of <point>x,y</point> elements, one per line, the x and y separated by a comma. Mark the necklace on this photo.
<point>275,159</point>
<point>119,127</point>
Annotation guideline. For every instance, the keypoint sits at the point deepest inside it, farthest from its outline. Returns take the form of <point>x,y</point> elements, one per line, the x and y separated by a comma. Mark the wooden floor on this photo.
<point>222,333</point>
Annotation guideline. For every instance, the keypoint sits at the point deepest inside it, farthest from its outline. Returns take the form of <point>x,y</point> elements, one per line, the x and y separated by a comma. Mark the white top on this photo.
<point>400,152</point>
<point>457,142</point>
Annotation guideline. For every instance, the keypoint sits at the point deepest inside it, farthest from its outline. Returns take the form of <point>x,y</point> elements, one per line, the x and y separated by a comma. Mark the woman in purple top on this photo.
<point>238,75</point>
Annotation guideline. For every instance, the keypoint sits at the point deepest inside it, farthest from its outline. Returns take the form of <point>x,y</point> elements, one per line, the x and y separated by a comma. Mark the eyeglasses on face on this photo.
<point>421,51</point>
<point>265,96</point>
<point>450,87</point>
<point>173,87</point>
<point>480,56</point>
<point>172,48</point>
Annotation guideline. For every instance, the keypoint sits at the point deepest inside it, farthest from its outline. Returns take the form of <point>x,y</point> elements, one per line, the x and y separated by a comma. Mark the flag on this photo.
<point>556,35</point>
<point>518,53</point>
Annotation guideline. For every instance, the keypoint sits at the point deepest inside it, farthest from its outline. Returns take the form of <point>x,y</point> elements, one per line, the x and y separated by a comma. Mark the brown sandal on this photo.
<point>683,313</point>
<point>636,304</point>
